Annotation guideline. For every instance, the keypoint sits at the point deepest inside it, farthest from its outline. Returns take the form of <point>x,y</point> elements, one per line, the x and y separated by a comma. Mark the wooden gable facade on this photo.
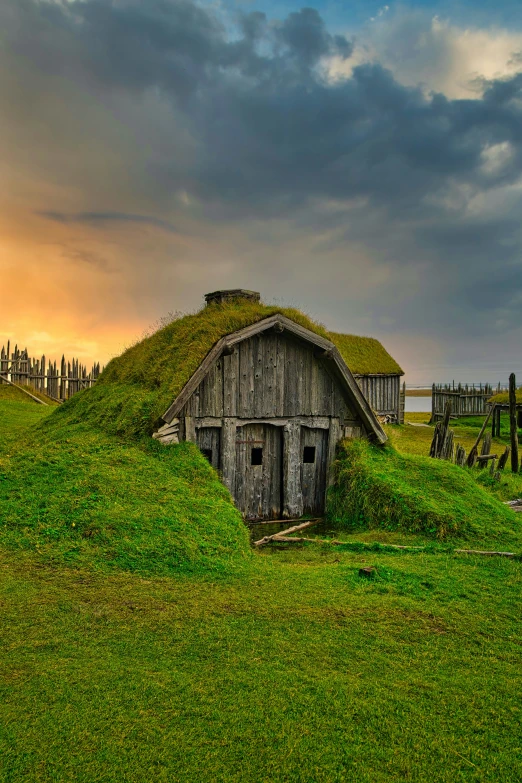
<point>267,407</point>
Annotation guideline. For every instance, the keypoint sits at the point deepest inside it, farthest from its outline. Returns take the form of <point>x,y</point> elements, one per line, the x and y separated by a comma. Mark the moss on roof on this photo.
<point>365,355</point>
<point>503,397</point>
<point>137,387</point>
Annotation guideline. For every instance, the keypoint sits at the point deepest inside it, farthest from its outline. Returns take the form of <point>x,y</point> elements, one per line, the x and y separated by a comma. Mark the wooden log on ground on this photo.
<point>282,533</point>
<point>484,553</point>
<point>513,430</point>
<point>333,542</point>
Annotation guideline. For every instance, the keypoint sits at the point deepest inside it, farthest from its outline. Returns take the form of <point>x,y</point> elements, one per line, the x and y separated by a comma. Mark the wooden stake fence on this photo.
<point>465,400</point>
<point>442,447</point>
<point>57,381</point>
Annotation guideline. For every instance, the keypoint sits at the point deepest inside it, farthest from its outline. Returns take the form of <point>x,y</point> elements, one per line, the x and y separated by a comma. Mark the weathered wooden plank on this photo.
<point>279,400</point>
<point>314,455</point>
<point>318,422</point>
<point>352,432</point>
<point>211,391</point>
<point>292,496</point>
<point>290,379</point>
<point>190,429</point>
<point>167,428</point>
<point>260,378</point>
<point>230,383</point>
<point>228,454</point>
<point>334,436</point>
<point>258,484</point>
<point>253,329</point>
<point>246,386</point>
<point>209,441</point>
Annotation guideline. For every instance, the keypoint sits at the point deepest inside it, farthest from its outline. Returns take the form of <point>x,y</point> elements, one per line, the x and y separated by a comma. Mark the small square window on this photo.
<point>256,458</point>
<point>309,454</point>
<point>207,453</point>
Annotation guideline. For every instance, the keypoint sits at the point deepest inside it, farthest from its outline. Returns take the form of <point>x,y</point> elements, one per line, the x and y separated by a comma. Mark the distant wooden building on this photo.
<point>376,372</point>
<point>268,406</point>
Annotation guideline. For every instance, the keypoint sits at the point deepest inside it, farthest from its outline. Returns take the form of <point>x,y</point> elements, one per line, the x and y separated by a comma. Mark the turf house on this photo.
<point>268,401</point>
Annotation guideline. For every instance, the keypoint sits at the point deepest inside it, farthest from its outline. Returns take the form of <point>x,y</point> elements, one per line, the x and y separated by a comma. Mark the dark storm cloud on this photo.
<point>174,45</point>
<point>271,135</point>
<point>270,129</point>
<point>101,219</point>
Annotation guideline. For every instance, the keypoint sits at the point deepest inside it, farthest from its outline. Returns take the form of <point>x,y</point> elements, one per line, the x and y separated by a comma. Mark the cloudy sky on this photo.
<point>358,160</point>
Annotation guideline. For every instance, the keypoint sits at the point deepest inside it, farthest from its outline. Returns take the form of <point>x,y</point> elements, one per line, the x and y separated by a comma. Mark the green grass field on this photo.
<point>157,648</point>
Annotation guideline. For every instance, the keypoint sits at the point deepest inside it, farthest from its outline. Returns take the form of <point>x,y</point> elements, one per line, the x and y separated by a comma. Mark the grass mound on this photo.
<point>382,488</point>
<point>79,496</point>
<point>137,387</point>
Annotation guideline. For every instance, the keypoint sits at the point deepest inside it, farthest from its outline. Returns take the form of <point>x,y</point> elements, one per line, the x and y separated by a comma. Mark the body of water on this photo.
<point>417,404</point>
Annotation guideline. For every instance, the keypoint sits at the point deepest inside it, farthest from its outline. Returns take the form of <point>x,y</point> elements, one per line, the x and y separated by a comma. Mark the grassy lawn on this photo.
<point>286,667</point>
<point>302,671</point>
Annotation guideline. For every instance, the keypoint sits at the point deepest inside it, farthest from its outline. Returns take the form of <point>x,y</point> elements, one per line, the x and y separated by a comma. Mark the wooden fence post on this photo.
<point>513,431</point>
<point>402,403</point>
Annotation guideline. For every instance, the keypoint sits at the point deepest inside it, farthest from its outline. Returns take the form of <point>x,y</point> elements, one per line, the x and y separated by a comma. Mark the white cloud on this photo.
<point>496,158</point>
<point>427,50</point>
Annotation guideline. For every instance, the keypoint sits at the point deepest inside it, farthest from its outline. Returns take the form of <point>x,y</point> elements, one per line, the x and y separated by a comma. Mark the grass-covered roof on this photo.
<point>137,387</point>
<point>365,355</point>
<point>503,398</point>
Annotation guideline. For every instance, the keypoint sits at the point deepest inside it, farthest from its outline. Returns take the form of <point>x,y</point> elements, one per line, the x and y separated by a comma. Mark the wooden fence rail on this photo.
<point>464,400</point>
<point>59,381</point>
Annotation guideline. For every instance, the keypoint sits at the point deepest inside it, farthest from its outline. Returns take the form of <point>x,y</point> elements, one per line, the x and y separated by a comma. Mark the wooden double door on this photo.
<point>314,463</point>
<point>259,471</point>
<point>258,486</point>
